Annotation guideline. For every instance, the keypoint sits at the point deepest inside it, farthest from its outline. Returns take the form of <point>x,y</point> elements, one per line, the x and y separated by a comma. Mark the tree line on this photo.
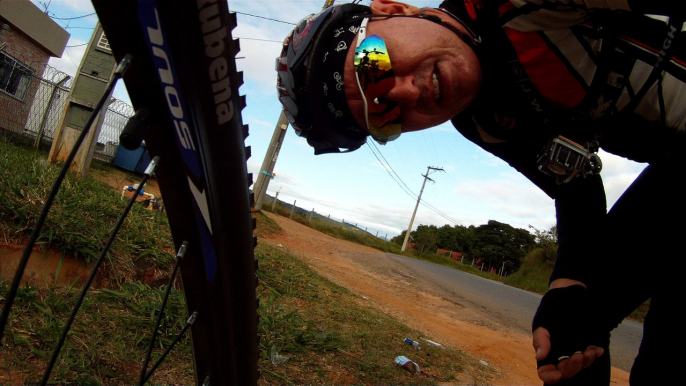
<point>493,244</point>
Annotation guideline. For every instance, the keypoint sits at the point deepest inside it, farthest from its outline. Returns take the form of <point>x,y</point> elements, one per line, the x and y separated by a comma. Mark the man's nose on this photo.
<point>405,93</point>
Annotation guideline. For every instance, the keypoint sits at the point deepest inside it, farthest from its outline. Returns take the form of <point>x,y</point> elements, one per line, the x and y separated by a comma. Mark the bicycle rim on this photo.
<point>183,70</point>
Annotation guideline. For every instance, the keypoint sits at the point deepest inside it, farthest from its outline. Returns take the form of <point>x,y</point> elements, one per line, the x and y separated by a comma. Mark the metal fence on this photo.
<point>36,112</point>
<point>118,113</point>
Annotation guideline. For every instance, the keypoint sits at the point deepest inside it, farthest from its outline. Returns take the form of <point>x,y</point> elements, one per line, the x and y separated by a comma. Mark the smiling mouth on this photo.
<point>437,86</point>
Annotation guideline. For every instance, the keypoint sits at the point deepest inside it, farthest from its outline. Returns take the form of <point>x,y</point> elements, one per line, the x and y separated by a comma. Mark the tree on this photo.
<point>496,243</point>
<point>455,238</point>
<point>425,238</point>
<point>547,241</point>
<point>399,238</point>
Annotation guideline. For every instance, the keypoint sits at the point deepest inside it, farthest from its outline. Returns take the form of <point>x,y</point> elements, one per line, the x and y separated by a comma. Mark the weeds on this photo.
<point>82,216</point>
<point>106,343</point>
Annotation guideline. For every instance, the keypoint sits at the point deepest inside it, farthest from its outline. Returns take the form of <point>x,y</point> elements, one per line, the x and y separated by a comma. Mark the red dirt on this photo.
<point>366,272</point>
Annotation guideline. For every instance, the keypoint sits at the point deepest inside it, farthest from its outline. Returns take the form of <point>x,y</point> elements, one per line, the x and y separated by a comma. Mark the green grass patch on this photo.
<point>81,217</point>
<point>534,273</point>
<point>107,342</point>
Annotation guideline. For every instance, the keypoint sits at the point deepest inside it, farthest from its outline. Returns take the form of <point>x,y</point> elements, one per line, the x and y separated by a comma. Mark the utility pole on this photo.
<point>409,228</point>
<point>267,170</point>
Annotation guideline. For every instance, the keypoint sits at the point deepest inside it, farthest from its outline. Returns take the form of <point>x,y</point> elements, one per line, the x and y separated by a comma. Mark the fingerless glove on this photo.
<point>568,314</point>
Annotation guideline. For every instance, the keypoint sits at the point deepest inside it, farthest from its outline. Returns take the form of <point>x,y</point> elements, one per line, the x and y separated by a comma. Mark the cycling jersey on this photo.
<point>585,70</point>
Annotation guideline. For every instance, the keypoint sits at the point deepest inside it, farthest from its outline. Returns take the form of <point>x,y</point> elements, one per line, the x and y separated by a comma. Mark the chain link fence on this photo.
<point>31,106</point>
<point>118,113</point>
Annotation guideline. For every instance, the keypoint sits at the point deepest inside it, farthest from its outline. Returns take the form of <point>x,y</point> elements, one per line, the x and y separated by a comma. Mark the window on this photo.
<point>14,76</point>
<point>103,42</point>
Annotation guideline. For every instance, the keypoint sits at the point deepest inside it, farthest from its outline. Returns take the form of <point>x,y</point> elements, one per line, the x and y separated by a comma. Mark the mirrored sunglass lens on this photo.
<point>375,78</point>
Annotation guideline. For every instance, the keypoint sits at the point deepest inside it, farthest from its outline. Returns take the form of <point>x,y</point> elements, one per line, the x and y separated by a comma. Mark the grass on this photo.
<point>327,334</point>
<point>533,274</point>
<point>106,344</point>
<point>82,216</point>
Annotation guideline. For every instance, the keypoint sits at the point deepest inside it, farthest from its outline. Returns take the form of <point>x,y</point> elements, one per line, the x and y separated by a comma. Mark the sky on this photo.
<point>375,187</point>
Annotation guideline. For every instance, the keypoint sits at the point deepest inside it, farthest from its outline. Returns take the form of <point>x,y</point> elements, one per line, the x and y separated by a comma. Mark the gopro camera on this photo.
<point>565,159</point>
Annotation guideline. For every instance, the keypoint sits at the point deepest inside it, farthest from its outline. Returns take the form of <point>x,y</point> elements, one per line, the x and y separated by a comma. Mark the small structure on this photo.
<point>28,38</point>
<point>453,255</point>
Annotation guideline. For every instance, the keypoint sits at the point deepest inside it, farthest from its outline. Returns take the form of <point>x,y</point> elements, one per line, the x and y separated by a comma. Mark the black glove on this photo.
<point>570,316</point>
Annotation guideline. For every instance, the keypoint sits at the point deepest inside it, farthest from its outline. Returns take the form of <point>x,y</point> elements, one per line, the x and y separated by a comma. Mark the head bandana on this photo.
<point>331,75</point>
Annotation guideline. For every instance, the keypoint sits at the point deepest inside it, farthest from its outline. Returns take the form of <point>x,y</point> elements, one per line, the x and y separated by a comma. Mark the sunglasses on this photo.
<point>375,78</point>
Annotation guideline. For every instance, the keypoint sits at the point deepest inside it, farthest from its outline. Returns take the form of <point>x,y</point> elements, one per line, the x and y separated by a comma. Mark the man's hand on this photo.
<point>551,374</point>
<point>566,314</point>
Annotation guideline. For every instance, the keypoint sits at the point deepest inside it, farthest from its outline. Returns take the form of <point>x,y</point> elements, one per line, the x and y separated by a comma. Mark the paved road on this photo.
<point>510,306</point>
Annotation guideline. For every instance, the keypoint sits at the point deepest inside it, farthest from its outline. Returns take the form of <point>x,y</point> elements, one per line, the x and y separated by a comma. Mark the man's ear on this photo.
<point>390,7</point>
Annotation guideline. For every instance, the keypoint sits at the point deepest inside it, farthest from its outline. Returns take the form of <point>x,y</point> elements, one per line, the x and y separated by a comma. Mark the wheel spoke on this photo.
<point>189,323</point>
<point>179,256</point>
<point>94,271</point>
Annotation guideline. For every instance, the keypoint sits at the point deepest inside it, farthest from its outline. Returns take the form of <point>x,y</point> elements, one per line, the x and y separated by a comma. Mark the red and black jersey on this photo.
<point>575,68</point>
<point>585,69</point>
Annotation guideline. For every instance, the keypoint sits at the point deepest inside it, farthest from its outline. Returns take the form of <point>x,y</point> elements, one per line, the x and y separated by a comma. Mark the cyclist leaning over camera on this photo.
<point>542,85</point>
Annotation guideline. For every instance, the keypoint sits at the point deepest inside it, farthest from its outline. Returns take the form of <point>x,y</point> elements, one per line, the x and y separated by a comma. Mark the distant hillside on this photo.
<point>267,204</point>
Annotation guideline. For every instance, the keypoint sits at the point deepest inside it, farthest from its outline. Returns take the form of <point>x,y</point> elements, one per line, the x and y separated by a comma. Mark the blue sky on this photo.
<point>375,187</point>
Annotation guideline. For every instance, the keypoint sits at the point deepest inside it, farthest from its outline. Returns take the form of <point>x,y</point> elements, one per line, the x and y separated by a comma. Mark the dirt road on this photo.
<point>394,290</point>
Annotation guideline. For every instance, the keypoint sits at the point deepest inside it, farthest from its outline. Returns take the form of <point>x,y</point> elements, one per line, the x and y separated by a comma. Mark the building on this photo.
<point>28,38</point>
<point>452,254</point>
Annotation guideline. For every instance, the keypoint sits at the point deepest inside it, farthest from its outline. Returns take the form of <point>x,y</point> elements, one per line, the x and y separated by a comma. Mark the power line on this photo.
<point>71,18</point>
<point>389,165</point>
<point>266,18</point>
<point>262,40</point>
<point>77,45</point>
<point>404,187</point>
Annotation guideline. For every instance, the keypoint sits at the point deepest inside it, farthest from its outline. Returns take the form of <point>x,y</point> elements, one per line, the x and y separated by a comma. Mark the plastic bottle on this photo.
<point>412,343</point>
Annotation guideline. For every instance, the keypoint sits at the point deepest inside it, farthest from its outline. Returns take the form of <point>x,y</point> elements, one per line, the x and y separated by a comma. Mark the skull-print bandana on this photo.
<point>331,76</point>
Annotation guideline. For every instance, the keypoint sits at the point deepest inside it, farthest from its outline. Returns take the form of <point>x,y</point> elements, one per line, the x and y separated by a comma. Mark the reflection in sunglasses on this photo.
<point>375,78</point>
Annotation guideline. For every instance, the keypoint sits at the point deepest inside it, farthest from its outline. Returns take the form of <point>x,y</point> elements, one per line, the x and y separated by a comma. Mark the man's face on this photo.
<point>436,74</point>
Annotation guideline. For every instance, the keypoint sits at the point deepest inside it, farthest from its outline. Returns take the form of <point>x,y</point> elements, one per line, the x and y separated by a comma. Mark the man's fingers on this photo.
<point>549,374</point>
<point>569,367</point>
<point>590,354</point>
<point>599,351</point>
<point>541,342</point>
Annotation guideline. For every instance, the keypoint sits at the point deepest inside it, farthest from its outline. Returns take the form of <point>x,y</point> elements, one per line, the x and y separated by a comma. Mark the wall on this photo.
<point>13,111</point>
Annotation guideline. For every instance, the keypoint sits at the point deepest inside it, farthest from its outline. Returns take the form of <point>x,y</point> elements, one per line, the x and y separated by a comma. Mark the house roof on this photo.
<point>28,18</point>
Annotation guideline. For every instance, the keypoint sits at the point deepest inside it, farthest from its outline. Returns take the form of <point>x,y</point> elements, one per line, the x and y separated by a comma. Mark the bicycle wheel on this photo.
<point>183,70</point>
